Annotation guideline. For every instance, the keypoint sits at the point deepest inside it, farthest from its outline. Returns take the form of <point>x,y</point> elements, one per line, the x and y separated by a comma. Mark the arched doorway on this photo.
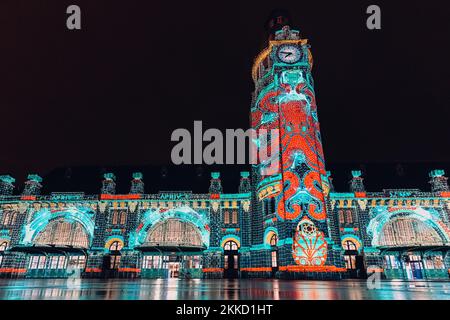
<point>114,250</point>
<point>174,232</point>
<point>60,233</point>
<point>354,261</point>
<point>111,263</point>
<point>350,252</point>
<point>58,249</point>
<point>231,259</point>
<point>172,249</point>
<point>274,253</point>
<point>407,231</point>
<point>412,244</point>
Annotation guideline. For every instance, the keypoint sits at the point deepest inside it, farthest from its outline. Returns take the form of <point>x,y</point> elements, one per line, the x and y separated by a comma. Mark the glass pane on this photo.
<point>41,264</point>
<point>274,258</point>
<point>34,262</point>
<point>61,262</point>
<point>225,262</point>
<point>438,262</point>
<point>53,262</point>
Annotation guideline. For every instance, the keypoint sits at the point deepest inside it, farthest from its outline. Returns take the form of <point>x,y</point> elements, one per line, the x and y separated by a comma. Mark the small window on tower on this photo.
<point>273,240</point>
<point>272,205</point>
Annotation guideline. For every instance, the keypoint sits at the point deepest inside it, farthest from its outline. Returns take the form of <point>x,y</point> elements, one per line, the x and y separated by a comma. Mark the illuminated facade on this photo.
<point>404,234</point>
<point>288,223</point>
<point>291,199</point>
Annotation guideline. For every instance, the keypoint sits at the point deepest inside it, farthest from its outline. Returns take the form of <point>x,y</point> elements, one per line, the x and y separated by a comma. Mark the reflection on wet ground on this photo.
<point>172,289</point>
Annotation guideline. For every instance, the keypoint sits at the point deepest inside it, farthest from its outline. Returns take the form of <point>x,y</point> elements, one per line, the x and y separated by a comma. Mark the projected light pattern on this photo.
<point>310,248</point>
<point>285,101</point>
<point>289,105</point>
<point>287,224</point>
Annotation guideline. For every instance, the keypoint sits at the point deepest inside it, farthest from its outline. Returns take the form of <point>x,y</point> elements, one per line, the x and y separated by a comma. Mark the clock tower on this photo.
<point>290,202</point>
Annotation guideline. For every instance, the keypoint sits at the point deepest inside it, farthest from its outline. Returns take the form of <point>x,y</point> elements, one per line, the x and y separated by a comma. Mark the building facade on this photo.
<point>285,221</point>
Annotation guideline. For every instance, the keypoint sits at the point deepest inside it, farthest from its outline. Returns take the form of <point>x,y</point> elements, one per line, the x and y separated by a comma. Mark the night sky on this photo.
<point>111,94</point>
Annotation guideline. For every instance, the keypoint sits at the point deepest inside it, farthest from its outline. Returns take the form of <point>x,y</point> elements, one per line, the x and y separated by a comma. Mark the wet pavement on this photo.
<point>172,289</point>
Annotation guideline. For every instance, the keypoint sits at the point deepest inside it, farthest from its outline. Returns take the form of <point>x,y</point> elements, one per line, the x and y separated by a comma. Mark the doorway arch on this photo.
<point>230,259</point>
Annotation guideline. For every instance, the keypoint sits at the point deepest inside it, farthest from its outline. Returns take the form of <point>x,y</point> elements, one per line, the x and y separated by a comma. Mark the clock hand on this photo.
<point>286,53</point>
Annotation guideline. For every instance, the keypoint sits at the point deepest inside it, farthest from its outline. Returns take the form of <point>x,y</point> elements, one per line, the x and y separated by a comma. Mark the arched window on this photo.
<point>119,217</point>
<point>230,246</point>
<point>3,246</point>
<point>406,230</point>
<point>116,246</point>
<point>123,217</point>
<point>349,245</point>
<point>174,232</point>
<point>341,217</point>
<point>349,216</point>
<point>234,218</point>
<point>60,232</point>
<point>226,217</point>
<point>273,240</point>
<point>115,217</point>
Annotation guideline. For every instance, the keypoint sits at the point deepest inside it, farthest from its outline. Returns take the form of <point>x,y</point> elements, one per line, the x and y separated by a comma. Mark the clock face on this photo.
<point>289,53</point>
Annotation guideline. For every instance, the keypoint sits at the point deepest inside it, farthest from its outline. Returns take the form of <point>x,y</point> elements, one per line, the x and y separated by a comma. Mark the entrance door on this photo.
<point>231,260</point>
<point>414,267</point>
<point>174,269</point>
<point>274,254</point>
<point>354,263</point>
<point>111,261</point>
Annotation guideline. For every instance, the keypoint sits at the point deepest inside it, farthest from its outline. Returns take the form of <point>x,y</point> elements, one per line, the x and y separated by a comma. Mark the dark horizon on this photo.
<point>110,94</point>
